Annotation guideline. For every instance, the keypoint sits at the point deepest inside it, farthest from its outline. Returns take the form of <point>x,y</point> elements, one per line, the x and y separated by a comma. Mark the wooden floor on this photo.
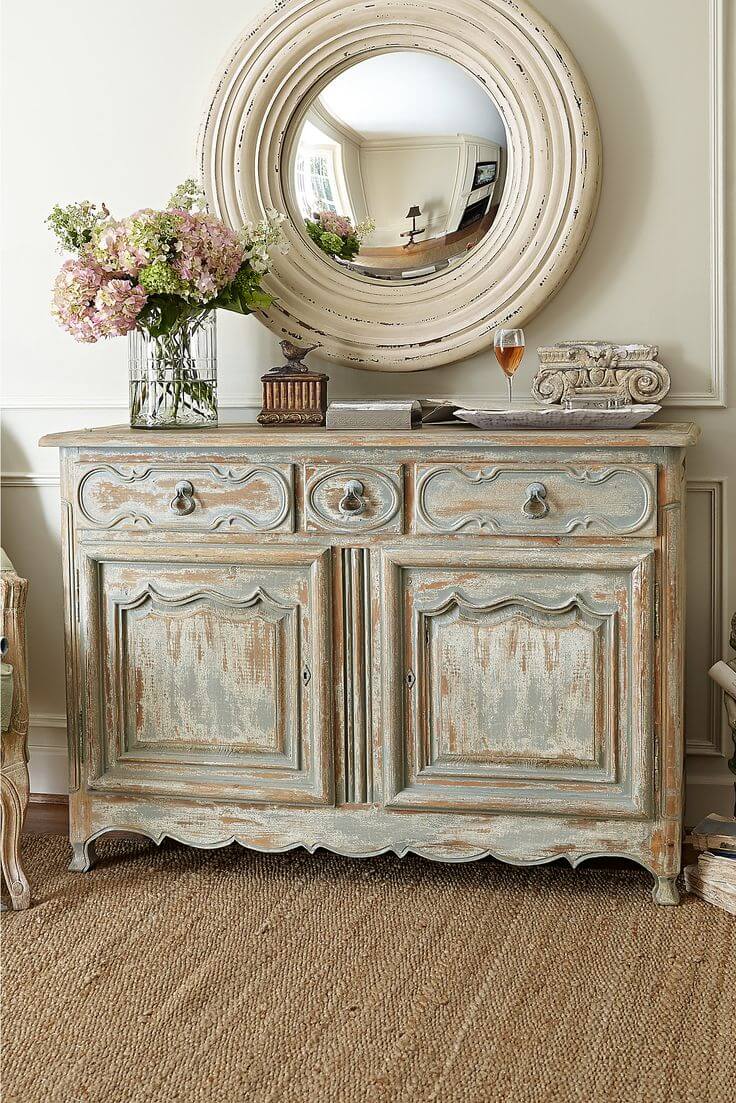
<point>46,817</point>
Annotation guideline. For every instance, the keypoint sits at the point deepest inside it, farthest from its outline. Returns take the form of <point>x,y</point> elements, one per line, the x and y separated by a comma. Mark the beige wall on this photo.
<point>108,108</point>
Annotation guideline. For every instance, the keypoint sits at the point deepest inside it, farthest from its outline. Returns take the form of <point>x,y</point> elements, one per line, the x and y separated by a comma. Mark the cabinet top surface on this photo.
<point>662,435</point>
<point>674,435</point>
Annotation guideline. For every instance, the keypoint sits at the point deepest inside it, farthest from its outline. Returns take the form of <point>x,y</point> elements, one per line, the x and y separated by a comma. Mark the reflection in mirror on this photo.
<point>398,165</point>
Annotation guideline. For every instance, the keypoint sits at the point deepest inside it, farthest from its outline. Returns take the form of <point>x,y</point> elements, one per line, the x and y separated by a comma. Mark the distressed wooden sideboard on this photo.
<point>444,641</point>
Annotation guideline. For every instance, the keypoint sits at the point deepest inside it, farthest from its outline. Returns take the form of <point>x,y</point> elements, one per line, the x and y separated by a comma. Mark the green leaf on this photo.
<point>244,294</point>
<point>351,246</point>
<point>258,299</point>
<point>164,313</point>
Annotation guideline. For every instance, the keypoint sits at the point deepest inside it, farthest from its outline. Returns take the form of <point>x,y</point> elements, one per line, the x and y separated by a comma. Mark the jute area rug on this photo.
<point>180,975</point>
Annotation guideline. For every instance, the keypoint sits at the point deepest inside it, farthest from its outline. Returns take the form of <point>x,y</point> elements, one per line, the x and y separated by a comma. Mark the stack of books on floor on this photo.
<point>713,876</point>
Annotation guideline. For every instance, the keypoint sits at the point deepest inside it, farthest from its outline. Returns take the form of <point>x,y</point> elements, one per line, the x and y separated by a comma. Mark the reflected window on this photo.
<point>319,177</point>
<point>316,181</point>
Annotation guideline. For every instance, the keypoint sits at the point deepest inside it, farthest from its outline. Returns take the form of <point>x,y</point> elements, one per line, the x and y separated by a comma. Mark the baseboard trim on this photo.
<point>707,793</point>
<point>48,798</point>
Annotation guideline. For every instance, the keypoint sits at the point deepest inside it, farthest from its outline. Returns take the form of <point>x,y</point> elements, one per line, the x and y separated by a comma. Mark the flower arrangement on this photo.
<point>157,270</point>
<point>336,235</point>
<point>160,275</point>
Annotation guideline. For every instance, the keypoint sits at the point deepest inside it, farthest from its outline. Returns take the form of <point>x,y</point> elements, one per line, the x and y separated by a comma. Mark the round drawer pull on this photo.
<point>536,504</point>
<point>183,500</point>
<point>353,503</point>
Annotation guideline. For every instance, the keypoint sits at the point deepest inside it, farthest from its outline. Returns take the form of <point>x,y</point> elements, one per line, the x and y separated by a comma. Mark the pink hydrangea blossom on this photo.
<point>335,223</point>
<point>117,306</point>
<point>114,251</point>
<point>207,254</point>
<point>75,288</point>
<point>89,305</point>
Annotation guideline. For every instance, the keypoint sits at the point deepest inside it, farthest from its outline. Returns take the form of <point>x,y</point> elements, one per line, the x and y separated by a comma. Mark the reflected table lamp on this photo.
<point>413,213</point>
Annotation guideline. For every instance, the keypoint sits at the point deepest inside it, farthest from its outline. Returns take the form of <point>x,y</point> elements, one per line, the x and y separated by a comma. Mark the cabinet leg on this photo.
<point>83,857</point>
<point>665,890</point>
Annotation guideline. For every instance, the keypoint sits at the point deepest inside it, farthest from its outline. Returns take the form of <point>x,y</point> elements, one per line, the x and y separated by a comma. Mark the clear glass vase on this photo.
<point>173,378</point>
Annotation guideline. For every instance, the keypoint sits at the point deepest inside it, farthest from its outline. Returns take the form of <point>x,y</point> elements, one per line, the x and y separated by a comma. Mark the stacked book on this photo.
<point>713,876</point>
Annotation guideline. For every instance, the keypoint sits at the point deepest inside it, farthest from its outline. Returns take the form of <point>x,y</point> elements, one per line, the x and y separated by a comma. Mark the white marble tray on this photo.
<point>555,417</point>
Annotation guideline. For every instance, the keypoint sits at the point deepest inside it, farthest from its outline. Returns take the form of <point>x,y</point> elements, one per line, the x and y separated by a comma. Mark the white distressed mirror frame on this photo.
<point>546,211</point>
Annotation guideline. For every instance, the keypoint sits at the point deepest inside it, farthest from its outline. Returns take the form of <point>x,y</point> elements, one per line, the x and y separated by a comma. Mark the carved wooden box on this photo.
<point>294,398</point>
<point>439,641</point>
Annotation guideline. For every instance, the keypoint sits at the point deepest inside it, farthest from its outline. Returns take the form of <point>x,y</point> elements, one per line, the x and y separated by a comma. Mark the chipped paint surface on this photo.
<point>376,496</point>
<point>250,497</point>
<point>524,663</point>
<point>543,720</point>
<point>606,499</point>
<point>452,694</point>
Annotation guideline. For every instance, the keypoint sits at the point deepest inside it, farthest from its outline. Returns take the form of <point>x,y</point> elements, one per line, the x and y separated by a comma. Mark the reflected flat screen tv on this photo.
<point>485,174</point>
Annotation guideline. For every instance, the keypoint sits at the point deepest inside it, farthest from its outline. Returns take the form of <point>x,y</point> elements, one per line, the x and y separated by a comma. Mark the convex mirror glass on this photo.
<point>397,166</point>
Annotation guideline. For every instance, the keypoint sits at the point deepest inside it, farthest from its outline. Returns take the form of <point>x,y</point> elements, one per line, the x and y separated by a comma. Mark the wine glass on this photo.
<point>508,345</point>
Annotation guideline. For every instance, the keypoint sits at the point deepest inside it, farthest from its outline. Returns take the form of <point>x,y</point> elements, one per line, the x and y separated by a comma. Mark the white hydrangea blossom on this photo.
<point>364,229</point>
<point>263,239</point>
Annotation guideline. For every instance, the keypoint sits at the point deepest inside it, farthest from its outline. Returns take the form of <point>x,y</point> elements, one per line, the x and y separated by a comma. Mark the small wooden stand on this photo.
<point>292,394</point>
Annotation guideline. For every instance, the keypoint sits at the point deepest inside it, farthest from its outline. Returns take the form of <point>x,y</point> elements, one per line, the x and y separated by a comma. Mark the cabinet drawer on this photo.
<point>193,496</point>
<point>353,498</point>
<point>546,500</point>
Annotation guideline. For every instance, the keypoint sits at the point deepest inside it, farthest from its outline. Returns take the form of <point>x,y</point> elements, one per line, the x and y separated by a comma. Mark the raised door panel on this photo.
<point>526,680</point>
<point>209,678</point>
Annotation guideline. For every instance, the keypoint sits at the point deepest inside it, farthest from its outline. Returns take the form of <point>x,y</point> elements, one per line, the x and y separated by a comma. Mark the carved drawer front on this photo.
<point>524,684</point>
<point>208,678</point>
<point>547,500</point>
<point>353,498</point>
<point>187,494</point>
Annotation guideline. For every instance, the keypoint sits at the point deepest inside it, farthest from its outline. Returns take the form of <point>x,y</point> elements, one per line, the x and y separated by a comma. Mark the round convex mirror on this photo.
<point>370,111</point>
<point>396,166</point>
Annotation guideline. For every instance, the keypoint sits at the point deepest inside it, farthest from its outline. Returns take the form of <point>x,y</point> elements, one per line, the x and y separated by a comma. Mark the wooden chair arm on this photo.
<point>13,593</point>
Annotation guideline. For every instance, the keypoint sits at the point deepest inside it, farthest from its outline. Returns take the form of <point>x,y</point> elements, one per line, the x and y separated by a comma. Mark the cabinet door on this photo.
<point>208,672</point>
<point>525,681</point>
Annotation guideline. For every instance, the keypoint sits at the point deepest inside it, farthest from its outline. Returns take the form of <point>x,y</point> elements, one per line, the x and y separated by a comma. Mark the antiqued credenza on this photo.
<point>443,641</point>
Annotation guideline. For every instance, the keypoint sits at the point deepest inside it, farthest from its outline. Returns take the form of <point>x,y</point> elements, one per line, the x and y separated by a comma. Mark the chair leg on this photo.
<point>12,825</point>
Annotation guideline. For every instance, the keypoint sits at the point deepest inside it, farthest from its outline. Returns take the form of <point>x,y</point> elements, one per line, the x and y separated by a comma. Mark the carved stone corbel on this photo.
<point>600,370</point>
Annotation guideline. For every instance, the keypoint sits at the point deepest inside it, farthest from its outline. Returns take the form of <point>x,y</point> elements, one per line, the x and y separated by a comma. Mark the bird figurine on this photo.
<point>294,355</point>
<point>293,394</point>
